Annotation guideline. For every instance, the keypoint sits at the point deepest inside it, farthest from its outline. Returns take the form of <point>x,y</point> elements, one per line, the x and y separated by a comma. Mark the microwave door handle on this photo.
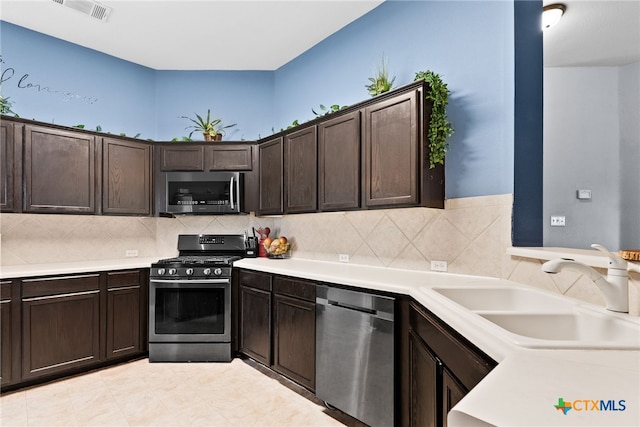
<point>231,190</point>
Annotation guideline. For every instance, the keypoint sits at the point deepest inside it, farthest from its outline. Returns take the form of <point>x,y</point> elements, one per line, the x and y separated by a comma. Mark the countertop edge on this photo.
<point>33,270</point>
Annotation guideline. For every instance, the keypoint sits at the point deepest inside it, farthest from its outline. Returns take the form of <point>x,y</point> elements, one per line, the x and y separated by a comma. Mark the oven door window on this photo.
<point>190,311</point>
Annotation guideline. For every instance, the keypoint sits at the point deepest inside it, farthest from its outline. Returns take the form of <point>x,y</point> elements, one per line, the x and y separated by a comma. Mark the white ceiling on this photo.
<point>194,34</point>
<point>594,33</point>
<point>266,34</point>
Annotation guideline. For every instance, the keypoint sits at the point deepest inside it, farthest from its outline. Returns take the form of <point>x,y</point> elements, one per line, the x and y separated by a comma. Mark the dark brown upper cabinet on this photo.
<point>270,181</point>
<point>60,171</point>
<point>230,157</point>
<point>339,163</point>
<point>391,136</point>
<point>10,166</point>
<point>205,157</point>
<point>181,158</point>
<point>370,155</point>
<point>300,171</point>
<point>126,177</point>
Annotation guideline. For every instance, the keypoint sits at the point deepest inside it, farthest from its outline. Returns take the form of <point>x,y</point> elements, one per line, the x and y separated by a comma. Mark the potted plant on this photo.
<point>380,82</point>
<point>212,129</point>
<point>440,128</point>
<point>5,106</point>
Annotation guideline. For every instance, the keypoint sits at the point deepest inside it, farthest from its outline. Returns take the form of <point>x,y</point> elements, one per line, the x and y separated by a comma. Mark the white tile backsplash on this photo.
<point>470,234</point>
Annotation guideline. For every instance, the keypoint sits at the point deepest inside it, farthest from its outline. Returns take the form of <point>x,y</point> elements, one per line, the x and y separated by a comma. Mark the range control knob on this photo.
<point>217,271</point>
<point>172,271</point>
<point>189,272</point>
<point>161,271</point>
<point>206,271</point>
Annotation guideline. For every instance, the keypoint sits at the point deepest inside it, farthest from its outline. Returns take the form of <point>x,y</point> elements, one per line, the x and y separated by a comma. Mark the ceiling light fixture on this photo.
<point>551,14</point>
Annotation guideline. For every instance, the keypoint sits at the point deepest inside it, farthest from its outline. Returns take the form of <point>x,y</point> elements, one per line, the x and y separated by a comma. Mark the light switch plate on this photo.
<point>583,194</point>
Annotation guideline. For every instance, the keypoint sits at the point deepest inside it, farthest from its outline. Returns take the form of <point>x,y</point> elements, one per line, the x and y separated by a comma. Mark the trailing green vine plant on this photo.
<point>440,128</point>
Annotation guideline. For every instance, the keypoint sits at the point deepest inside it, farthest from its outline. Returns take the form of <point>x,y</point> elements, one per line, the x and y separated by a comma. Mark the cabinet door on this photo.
<point>452,393</point>
<point>270,177</point>
<point>423,373</point>
<point>181,158</point>
<point>60,331</point>
<point>126,177</point>
<point>123,313</point>
<point>391,163</point>
<point>294,339</point>
<point>10,168</point>
<point>59,171</point>
<point>255,324</point>
<point>230,157</point>
<point>300,171</point>
<point>339,163</point>
<point>9,334</point>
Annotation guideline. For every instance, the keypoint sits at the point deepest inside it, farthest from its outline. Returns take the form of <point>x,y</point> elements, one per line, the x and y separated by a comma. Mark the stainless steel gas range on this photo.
<point>190,300</point>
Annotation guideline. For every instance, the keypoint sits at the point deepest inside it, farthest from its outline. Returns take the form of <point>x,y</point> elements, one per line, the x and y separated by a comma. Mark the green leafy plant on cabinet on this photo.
<point>440,128</point>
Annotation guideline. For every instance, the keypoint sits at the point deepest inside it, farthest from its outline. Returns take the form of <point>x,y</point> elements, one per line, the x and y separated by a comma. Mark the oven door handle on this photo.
<point>195,282</point>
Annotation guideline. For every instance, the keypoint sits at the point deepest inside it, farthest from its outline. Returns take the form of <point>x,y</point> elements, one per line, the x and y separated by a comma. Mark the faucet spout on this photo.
<point>615,287</point>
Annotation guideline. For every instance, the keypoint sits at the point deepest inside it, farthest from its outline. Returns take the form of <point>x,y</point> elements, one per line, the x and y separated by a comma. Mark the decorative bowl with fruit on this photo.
<point>277,248</point>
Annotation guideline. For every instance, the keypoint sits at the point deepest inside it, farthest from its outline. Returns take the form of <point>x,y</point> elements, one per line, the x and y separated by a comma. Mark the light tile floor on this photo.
<point>139,393</point>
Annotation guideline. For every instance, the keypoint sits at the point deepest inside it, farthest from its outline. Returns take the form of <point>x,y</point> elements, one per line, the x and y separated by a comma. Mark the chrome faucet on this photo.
<point>615,287</point>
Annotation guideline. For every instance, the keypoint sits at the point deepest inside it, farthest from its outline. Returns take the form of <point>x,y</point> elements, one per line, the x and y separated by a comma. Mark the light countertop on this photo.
<point>33,270</point>
<point>523,389</point>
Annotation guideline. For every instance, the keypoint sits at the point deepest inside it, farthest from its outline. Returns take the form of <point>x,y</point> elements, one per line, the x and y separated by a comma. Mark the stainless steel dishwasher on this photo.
<point>354,353</point>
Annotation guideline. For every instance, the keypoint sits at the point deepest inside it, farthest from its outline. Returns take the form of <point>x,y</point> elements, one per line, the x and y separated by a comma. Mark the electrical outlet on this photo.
<point>130,253</point>
<point>439,265</point>
<point>558,221</point>
<point>343,257</point>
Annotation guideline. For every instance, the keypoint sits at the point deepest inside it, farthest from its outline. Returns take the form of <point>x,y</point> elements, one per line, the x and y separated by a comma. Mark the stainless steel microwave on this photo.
<point>203,192</point>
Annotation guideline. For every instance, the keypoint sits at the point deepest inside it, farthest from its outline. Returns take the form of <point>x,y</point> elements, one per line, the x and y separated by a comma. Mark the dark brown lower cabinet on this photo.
<point>294,330</point>
<point>255,316</point>
<point>124,303</point>
<point>277,324</point>
<point>424,370</point>
<point>439,367</point>
<point>9,332</point>
<point>60,324</point>
<point>452,392</point>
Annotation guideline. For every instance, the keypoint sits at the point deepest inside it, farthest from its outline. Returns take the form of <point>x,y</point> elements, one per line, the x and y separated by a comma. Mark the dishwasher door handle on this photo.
<point>369,311</point>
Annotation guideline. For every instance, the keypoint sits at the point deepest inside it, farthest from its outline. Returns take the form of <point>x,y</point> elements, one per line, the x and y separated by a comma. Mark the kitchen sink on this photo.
<point>505,299</point>
<point>578,329</point>
<point>533,318</point>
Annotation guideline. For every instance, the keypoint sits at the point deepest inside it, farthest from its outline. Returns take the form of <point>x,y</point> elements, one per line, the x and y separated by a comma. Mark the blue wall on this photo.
<point>469,43</point>
<point>59,82</point>
<point>241,97</point>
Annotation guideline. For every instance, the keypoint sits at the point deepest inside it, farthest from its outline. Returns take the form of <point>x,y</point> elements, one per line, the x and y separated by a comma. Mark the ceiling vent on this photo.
<point>88,7</point>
